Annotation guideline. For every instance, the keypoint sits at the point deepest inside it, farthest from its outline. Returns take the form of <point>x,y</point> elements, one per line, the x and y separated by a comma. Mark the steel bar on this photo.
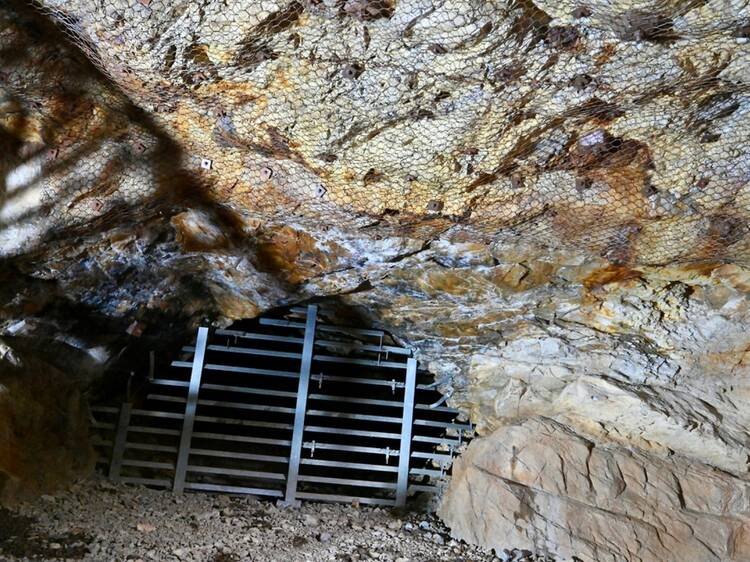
<point>352,465</point>
<point>235,472</point>
<point>357,380</point>
<point>213,419</point>
<point>355,432</point>
<point>118,449</point>
<point>321,327</point>
<point>151,447</point>
<point>241,439</point>
<point>249,351</point>
<point>320,343</point>
<point>352,416</point>
<point>427,472</point>
<point>436,440</point>
<point>364,347</point>
<point>374,402</point>
<point>223,404</point>
<point>156,414</point>
<point>351,448</point>
<point>229,388</point>
<point>237,455</point>
<point>190,409</point>
<point>160,482</point>
<point>422,488</point>
<point>343,499</point>
<point>347,482</point>
<point>232,489</point>
<point>434,456</point>
<point>406,429</point>
<point>356,361</point>
<point>261,337</point>
<point>105,409</point>
<point>148,464</point>
<point>244,370</point>
<point>293,355</point>
<point>299,416</point>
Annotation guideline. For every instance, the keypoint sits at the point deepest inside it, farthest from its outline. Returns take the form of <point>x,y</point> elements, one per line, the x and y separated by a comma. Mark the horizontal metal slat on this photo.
<point>213,419</point>
<point>261,337</point>
<point>422,488</point>
<point>426,472</point>
<point>356,380</point>
<point>151,447</point>
<point>332,344</point>
<point>228,388</point>
<point>223,404</point>
<point>243,370</point>
<point>357,361</point>
<point>435,456</point>
<point>241,438</point>
<point>347,482</point>
<point>148,464</point>
<point>235,472</point>
<point>355,432</point>
<point>237,455</point>
<point>153,430</point>
<point>232,489</point>
<point>344,499</point>
<point>248,351</point>
<point>160,482</point>
<point>105,409</point>
<point>352,416</point>
<point>352,465</point>
<point>350,448</point>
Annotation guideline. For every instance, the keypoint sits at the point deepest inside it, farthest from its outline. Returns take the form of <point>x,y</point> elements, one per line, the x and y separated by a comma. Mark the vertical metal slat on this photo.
<point>118,447</point>
<point>404,452</point>
<point>299,414</point>
<point>190,408</point>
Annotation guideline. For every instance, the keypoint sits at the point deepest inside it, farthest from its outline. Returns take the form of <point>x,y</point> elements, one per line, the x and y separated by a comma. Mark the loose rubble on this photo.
<point>100,521</point>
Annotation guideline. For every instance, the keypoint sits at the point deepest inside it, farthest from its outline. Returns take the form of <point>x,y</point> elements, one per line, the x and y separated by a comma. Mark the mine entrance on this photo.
<point>286,407</point>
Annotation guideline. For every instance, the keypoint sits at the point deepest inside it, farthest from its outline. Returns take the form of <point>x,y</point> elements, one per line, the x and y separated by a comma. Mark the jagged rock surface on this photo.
<point>221,165</point>
<point>550,488</point>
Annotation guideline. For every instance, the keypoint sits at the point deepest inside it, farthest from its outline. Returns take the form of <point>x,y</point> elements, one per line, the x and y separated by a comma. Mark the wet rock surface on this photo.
<point>97,521</point>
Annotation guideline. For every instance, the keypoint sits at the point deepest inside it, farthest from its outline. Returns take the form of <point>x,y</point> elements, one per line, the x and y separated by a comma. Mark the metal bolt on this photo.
<point>266,173</point>
<point>207,164</point>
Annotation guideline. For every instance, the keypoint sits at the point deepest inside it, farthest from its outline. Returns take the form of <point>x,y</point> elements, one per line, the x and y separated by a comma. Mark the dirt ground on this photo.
<point>99,521</point>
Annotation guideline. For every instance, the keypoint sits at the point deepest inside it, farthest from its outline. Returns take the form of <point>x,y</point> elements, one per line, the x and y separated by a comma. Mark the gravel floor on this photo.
<point>99,521</point>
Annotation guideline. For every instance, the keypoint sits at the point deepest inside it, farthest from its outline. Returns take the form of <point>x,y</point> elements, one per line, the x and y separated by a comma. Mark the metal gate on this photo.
<point>294,409</point>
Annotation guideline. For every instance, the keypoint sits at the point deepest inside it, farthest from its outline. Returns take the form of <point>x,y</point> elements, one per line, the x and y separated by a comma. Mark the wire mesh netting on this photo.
<point>619,127</point>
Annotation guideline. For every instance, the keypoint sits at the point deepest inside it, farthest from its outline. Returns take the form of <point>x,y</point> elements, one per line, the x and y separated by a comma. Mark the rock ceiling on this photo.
<point>549,200</point>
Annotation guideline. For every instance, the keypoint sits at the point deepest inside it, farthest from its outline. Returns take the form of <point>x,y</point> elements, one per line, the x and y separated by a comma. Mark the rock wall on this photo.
<point>547,200</point>
<point>552,490</point>
<point>43,426</point>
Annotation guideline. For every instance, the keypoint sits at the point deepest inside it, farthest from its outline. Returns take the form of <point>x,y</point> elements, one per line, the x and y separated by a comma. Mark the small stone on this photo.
<point>55,545</point>
<point>424,525</point>
<point>324,537</point>
<point>310,520</point>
